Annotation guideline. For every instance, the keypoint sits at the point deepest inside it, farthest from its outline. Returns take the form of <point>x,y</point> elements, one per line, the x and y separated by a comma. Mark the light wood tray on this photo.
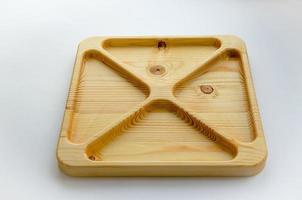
<point>161,106</point>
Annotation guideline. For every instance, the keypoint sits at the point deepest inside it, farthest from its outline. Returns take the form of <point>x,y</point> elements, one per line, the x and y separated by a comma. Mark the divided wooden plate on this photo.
<point>161,106</point>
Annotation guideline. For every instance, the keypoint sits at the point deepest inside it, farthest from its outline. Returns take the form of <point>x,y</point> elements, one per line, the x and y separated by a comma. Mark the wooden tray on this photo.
<point>161,106</point>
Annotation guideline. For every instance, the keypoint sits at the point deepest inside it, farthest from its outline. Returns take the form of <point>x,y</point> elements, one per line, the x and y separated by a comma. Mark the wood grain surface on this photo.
<point>161,106</point>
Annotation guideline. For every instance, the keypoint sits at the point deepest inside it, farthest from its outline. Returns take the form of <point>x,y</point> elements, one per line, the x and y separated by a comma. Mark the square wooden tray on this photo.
<point>161,106</point>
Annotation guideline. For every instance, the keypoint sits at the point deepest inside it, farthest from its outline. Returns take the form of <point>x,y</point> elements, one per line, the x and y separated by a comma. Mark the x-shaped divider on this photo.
<point>158,92</point>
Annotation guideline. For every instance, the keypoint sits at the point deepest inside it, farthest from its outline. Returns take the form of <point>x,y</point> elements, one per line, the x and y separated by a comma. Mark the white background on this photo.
<point>38,41</point>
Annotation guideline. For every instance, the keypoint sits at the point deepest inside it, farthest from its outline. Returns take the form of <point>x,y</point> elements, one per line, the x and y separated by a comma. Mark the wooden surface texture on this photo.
<point>161,106</point>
